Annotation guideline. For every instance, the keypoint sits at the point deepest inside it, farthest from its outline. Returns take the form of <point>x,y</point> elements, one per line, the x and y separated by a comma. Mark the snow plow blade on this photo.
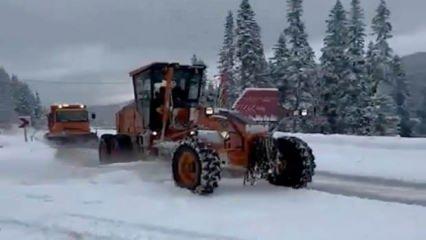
<point>74,140</point>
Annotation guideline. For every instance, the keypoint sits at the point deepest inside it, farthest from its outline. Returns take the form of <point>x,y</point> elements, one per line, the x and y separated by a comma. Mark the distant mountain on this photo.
<point>105,114</point>
<point>415,67</point>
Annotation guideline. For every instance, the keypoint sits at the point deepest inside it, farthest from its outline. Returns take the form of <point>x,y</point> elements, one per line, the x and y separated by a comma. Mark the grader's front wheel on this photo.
<point>196,167</point>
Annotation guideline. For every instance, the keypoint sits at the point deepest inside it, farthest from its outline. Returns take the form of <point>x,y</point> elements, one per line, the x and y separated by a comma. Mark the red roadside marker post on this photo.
<point>25,122</point>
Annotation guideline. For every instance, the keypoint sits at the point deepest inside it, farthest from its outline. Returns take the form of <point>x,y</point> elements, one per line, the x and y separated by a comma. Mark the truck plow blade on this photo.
<point>73,140</point>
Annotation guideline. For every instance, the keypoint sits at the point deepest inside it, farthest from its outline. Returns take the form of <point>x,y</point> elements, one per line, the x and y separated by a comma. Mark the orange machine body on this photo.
<point>230,133</point>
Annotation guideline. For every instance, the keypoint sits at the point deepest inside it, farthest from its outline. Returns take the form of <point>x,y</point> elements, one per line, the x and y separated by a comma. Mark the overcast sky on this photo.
<point>102,40</point>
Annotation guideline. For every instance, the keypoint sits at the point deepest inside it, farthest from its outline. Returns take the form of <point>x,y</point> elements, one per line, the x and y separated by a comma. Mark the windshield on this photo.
<point>72,116</point>
<point>186,84</point>
<point>188,80</point>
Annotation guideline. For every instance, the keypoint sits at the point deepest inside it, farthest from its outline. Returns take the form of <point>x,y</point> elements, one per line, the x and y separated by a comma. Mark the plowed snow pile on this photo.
<point>385,157</point>
<point>47,193</point>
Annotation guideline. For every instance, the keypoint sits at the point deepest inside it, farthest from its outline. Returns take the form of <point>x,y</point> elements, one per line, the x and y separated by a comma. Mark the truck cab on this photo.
<point>69,122</point>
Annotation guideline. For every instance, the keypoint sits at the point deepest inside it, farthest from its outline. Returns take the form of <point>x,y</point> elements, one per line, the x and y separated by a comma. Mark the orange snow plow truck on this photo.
<point>69,124</point>
<point>167,112</point>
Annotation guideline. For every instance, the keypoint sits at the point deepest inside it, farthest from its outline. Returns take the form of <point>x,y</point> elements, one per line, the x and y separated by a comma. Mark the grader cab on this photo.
<point>167,109</point>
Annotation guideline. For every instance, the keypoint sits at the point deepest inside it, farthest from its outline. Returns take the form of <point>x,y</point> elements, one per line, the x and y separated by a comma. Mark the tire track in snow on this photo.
<point>80,226</point>
<point>375,180</point>
<point>51,232</point>
<point>154,230</point>
<point>389,190</point>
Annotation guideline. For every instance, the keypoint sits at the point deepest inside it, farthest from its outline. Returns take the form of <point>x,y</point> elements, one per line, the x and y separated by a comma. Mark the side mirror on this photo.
<point>93,116</point>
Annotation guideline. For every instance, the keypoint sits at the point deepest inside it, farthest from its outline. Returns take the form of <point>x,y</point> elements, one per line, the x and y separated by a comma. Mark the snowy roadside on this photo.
<point>382,157</point>
<point>63,194</point>
<point>142,210</point>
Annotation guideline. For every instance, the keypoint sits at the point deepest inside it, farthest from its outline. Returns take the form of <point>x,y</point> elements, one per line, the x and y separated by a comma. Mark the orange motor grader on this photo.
<point>167,110</point>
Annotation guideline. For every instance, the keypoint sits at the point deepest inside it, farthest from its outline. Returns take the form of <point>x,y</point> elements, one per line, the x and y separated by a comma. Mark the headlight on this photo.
<point>296,113</point>
<point>193,133</point>
<point>209,111</point>
<point>65,105</point>
<point>225,134</point>
<point>154,133</point>
<point>304,112</point>
<point>82,106</point>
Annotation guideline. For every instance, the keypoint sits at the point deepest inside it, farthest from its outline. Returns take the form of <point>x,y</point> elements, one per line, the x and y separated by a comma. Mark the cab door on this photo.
<point>143,95</point>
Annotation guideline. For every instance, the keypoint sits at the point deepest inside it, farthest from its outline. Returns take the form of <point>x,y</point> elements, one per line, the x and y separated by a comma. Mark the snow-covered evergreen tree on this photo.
<point>387,121</point>
<point>250,65</point>
<point>370,68</point>
<point>228,90</point>
<point>338,84</point>
<point>278,65</point>
<point>421,113</point>
<point>38,110</point>
<point>365,113</point>
<point>24,99</point>
<point>370,102</point>
<point>401,95</point>
<point>301,70</point>
<point>6,100</point>
<point>356,32</point>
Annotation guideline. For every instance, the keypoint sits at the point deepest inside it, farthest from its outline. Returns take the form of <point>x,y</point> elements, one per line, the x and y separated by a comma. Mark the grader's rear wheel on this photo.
<point>196,167</point>
<point>106,148</point>
<point>115,148</point>
<point>295,164</point>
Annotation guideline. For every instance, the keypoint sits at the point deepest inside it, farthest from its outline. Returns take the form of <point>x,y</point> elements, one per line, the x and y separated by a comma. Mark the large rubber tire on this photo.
<point>124,142</point>
<point>106,147</point>
<point>207,168</point>
<point>125,148</point>
<point>297,163</point>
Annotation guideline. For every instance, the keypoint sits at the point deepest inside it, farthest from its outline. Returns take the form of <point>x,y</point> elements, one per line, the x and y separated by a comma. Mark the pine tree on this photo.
<point>387,121</point>
<point>356,31</point>
<point>401,95</point>
<point>297,37</point>
<point>278,65</point>
<point>382,30</point>
<point>228,90</point>
<point>24,99</point>
<point>338,86</point>
<point>364,114</point>
<point>421,113</point>
<point>250,63</point>
<point>370,101</point>
<point>301,70</point>
<point>6,100</point>
<point>38,110</point>
<point>370,63</point>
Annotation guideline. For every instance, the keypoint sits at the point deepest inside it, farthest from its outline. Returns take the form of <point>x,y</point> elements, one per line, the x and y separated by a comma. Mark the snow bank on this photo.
<point>386,157</point>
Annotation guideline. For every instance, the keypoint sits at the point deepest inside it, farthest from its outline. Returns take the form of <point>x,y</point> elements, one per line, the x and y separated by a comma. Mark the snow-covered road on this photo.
<point>371,188</point>
<point>65,194</point>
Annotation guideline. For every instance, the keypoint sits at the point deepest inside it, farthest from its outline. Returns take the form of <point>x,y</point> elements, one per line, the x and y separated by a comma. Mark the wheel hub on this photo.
<point>187,169</point>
